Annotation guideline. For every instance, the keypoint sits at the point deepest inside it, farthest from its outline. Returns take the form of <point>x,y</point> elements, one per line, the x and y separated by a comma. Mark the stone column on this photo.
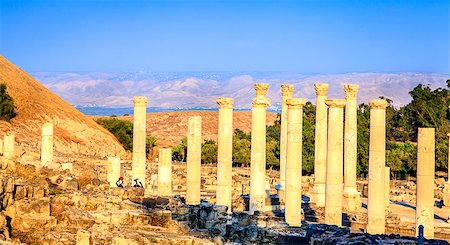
<point>194,159</point>
<point>47,144</point>
<point>320,152</point>
<point>1,147</point>
<point>113,174</point>
<point>387,185</point>
<point>286,93</point>
<point>425,182</point>
<point>377,155</point>
<point>8,149</point>
<point>335,157</point>
<point>225,153</point>
<point>352,198</point>
<point>165,172</point>
<point>258,149</point>
<point>138,167</point>
<point>293,205</point>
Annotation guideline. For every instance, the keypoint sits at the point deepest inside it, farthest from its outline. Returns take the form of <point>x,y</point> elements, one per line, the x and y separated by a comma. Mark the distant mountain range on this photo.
<point>184,90</point>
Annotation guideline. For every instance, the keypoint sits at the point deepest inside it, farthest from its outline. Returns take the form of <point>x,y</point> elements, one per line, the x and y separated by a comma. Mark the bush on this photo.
<point>209,151</point>
<point>6,104</point>
<point>121,129</point>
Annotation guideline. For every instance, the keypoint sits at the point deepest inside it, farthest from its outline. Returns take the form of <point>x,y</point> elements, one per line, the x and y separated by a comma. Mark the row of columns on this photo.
<point>335,158</point>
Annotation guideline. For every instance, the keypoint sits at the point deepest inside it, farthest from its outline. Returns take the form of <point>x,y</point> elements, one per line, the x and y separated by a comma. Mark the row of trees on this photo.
<point>7,110</point>
<point>428,108</point>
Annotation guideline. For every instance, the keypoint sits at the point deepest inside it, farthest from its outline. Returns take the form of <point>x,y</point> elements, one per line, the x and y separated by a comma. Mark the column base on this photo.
<point>351,201</point>
<point>318,195</point>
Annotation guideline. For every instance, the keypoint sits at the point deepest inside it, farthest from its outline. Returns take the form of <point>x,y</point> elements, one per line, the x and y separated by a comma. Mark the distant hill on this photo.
<point>200,89</point>
<point>75,133</point>
<point>171,127</point>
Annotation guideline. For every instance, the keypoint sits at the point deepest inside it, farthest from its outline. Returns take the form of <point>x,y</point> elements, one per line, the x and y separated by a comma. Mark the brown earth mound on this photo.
<point>74,132</point>
<point>170,127</point>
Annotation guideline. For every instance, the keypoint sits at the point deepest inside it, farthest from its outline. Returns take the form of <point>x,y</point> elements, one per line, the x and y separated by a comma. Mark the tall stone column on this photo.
<point>334,172</point>
<point>320,152</point>
<point>387,185</point>
<point>165,172</point>
<point>286,93</point>
<point>194,159</point>
<point>47,144</point>
<point>258,149</point>
<point>113,174</point>
<point>293,205</point>
<point>8,149</point>
<point>225,153</point>
<point>425,182</point>
<point>377,155</point>
<point>138,167</point>
<point>352,198</point>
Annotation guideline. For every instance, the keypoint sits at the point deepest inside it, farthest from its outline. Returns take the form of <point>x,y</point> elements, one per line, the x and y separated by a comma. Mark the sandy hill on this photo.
<point>171,127</point>
<point>75,133</point>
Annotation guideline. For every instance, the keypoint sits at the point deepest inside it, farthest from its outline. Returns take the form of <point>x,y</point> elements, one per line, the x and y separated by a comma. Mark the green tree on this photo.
<point>179,152</point>
<point>209,151</point>
<point>241,148</point>
<point>363,114</point>
<point>150,145</point>
<point>121,129</point>
<point>7,111</point>
<point>309,118</point>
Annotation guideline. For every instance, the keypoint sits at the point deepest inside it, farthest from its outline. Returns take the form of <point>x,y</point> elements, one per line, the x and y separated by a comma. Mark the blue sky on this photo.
<point>296,36</point>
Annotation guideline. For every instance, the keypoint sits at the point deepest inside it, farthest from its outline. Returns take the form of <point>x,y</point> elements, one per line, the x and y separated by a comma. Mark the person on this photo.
<point>119,183</point>
<point>138,183</point>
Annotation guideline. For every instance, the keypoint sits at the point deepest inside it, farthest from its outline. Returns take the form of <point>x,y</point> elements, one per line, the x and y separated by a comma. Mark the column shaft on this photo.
<point>113,174</point>
<point>47,144</point>
<point>194,159</point>
<point>286,93</point>
<point>352,198</point>
<point>258,149</point>
<point>225,153</point>
<point>165,172</point>
<point>139,139</point>
<point>377,155</point>
<point>320,151</point>
<point>335,150</point>
<point>293,205</point>
<point>387,185</point>
<point>425,181</point>
<point>8,149</point>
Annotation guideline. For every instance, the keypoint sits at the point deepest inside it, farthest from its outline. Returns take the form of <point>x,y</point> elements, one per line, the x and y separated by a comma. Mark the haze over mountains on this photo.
<point>184,90</point>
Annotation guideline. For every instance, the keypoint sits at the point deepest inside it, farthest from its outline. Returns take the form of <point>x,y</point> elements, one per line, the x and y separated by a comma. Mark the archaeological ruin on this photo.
<point>52,198</point>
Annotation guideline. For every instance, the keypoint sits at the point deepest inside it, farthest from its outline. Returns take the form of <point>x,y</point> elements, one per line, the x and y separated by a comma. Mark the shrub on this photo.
<point>6,104</point>
<point>121,129</point>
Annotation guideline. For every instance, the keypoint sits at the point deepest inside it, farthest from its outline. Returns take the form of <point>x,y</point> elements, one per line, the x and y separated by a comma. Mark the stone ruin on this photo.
<point>169,202</point>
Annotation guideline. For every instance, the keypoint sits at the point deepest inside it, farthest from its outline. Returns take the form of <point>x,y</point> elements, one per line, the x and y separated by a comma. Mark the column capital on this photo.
<point>225,103</point>
<point>140,100</point>
<point>260,102</point>
<point>296,103</point>
<point>287,90</point>
<point>335,103</point>
<point>351,90</point>
<point>261,89</point>
<point>378,104</point>
<point>321,89</point>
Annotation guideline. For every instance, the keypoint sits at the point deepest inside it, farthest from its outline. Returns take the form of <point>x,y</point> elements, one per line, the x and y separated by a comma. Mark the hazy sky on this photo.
<point>298,36</point>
